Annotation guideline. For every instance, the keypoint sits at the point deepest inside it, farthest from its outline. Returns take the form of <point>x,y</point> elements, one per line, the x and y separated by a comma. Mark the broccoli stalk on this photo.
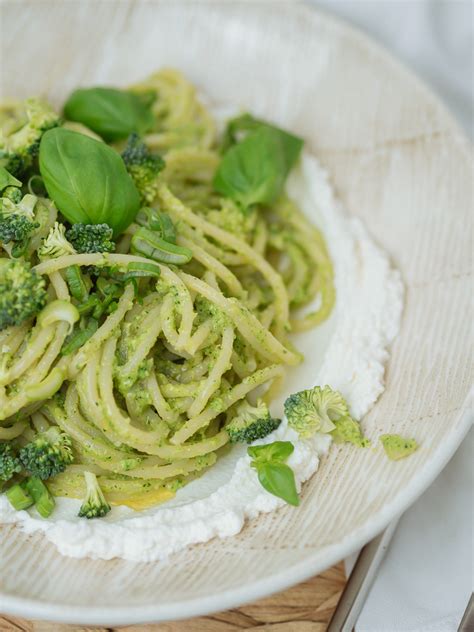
<point>55,243</point>
<point>22,292</point>
<point>19,148</point>
<point>48,454</point>
<point>251,423</point>
<point>94,505</point>
<point>17,221</point>
<point>9,462</point>
<point>91,237</point>
<point>143,167</point>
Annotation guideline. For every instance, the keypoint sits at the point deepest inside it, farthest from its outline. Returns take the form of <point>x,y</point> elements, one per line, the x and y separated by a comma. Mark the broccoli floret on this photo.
<point>22,292</point>
<point>16,229</point>
<point>91,237</point>
<point>48,454</point>
<point>17,222</point>
<point>19,149</point>
<point>143,166</point>
<point>94,505</point>
<point>251,423</point>
<point>55,243</point>
<point>9,463</point>
<point>12,193</point>
<point>315,410</point>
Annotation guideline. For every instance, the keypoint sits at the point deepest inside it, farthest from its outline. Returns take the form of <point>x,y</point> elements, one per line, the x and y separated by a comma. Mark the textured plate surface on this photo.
<point>397,160</point>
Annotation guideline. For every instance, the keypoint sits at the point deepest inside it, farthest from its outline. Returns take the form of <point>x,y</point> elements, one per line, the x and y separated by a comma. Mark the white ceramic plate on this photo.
<point>397,160</point>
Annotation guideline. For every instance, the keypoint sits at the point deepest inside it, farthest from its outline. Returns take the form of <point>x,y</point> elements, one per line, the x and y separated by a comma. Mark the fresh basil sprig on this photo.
<point>87,180</point>
<point>273,473</point>
<point>254,170</point>
<point>111,113</point>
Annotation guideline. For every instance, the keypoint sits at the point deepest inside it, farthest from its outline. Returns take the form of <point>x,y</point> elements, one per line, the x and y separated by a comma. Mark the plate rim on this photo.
<point>330,554</point>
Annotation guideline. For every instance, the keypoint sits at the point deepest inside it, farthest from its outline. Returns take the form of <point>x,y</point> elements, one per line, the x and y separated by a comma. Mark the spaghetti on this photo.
<point>147,397</point>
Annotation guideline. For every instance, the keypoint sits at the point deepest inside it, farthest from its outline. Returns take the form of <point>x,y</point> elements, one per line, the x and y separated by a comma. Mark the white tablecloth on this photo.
<point>426,578</point>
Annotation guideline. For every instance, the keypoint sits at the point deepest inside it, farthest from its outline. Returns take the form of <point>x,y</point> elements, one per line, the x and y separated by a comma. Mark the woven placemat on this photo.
<point>306,607</point>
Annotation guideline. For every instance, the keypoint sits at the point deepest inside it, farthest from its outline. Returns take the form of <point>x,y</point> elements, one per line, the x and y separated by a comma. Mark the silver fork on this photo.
<point>360,581</point>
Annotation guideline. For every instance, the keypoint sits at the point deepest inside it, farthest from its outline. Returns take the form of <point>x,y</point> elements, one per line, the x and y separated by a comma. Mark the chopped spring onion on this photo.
<point>145,242</point>
<point>136,270</point>
<point>18,497</point>
<point>44,502</point>
<point>76,283</point>
<point>80,337</point>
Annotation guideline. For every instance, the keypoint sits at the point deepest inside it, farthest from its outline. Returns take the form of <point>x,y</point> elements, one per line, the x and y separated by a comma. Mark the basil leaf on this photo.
<point>243,123</point>
<point>7,180</point>
<point>254,171</point>
<point>278,451</point>
<point>111,113</point>
<point>279,480</point>
<point>87,180</point>
<point>291,144</point>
